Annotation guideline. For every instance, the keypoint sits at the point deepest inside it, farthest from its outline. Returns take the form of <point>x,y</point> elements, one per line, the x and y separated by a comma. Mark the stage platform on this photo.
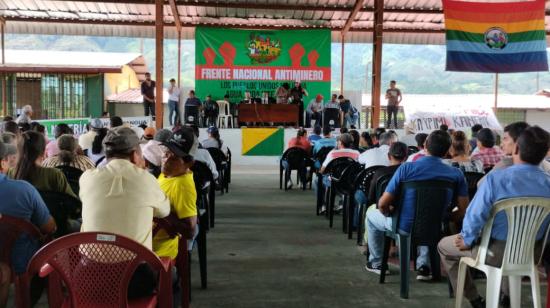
<point>233,138</point>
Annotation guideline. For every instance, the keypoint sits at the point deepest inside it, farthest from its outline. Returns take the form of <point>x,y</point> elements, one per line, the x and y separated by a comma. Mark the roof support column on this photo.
<point>378,31</point>
<point>342,66</point>
<point>159,61</point>
<point>4,88</point>
<point>179,58</point>
<point>496,94</point>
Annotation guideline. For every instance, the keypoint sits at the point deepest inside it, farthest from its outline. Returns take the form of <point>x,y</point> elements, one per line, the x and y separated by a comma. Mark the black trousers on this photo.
<point>392,110</point>
<point>149,108</point>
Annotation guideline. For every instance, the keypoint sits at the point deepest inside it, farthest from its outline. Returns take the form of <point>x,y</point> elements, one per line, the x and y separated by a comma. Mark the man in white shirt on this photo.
<point>379,156</point>
<point>121,197</point>
<point>173,102</point>
<point>314,110</point>
<point>86,140</point>
<point>25,116</point>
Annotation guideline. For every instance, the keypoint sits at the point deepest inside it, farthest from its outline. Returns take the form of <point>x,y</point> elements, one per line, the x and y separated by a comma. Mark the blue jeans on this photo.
<point>360,199</point>
<point>351,119</point>
<point>377,224</point>
<point>302,171</point>
<point>326,182</point>
<point>313,116</point>
<point>174,109</point>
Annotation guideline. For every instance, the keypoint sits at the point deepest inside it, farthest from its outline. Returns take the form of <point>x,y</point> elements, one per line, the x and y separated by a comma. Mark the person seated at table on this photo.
<point>211,111</point>
<point>192,108</point>
<point>282,93</point>
<point>523,179</point>
<point>420,139</point>
<point>486,151</point>
<point>460,157</point>
<point>430,167</point>
<point>333,103</point>
<point>68,155</point>
<point>21,200</point>
<point>123,198</point>
<point>214,140</point>
<point>248,99</point>
<point>349,114</point>
<point>31,148</point>
<point>379,156</point>
<point>314,110</point>
<point>315,135</point>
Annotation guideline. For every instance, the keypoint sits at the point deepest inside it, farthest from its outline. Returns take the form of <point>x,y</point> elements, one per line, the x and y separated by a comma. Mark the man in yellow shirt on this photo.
<point>177,183</point>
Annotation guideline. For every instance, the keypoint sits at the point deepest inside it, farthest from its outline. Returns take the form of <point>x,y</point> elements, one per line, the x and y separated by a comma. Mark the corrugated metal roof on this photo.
<point>405,21</point>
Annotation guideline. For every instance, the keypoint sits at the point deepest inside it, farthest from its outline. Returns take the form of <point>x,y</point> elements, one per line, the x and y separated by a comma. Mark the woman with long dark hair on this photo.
<point>214,140</point>
<point>97,153</point>
<point>68,155</point>
<point>31,148</point>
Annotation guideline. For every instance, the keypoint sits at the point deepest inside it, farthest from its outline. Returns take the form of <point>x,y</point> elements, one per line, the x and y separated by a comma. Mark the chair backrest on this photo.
<point>202,175</point>
<point>223,107</point>
<point>295,157</point>
<point>12,229</point>
<point>431,198</point>
<point>73,176</point>
<point>331,117</point>
<point>321,155</point>
<point>346,183</point>
<point>61,207</point>
<point>335,169</point>
<point>412,149</point>
<point>381,184</point>
<point>525,217</point>
<point>97,267</point>
<point>472,178</point>
<point>363,180</point>
<point>192,115</point>
<point>218,156</point>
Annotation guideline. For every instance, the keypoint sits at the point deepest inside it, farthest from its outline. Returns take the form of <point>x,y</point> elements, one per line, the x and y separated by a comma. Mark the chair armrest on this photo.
<point>45,270</point>
<point>166,263</point>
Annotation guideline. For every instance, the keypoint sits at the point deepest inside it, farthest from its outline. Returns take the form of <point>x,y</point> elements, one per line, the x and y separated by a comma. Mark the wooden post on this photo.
<point>179,58</point>
<point>496,94</point>
<point>342,67</point>
<point>378,31</point>
<point>159,62</point>
<point>4,87</point>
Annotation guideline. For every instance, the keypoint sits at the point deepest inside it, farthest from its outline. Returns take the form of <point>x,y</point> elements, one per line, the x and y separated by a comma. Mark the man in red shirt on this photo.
<point>486,150</point>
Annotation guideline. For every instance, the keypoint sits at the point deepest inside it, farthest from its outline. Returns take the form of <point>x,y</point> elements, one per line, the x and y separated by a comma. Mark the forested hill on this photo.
<point>418,69</point>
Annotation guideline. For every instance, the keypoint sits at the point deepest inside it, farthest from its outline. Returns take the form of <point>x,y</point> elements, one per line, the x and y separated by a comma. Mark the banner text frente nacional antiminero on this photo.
<point>231,62</point>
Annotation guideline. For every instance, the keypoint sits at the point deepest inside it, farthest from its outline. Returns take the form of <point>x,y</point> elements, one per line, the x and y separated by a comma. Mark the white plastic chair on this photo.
<point>525,217</point>
<point>224,115</point>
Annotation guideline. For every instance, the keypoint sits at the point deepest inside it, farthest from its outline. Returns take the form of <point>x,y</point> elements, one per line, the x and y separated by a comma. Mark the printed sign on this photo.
<point>231,62</point>
<point>427,117</point>
<point>78,125</point>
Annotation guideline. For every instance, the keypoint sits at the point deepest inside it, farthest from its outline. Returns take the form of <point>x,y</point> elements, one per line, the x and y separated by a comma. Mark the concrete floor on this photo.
<point>268,249</point>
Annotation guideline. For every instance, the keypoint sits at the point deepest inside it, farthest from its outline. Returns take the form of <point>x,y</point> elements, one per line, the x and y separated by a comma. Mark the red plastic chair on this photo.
<point>95,269</point>
<point>11,229</point>
<point>182,260</point>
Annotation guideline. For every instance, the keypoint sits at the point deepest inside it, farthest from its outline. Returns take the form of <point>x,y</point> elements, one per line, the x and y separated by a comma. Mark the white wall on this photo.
<point>538,117</point>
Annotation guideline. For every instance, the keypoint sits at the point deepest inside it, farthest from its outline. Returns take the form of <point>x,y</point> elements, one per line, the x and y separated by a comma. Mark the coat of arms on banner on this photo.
<point>263,48</point>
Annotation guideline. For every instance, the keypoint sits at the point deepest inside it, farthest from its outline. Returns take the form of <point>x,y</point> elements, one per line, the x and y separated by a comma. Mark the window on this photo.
<point>507,116</point>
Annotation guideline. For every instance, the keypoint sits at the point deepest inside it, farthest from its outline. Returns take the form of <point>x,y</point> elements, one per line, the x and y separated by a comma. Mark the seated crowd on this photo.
<point>518,167</point>
<point>126,176</point>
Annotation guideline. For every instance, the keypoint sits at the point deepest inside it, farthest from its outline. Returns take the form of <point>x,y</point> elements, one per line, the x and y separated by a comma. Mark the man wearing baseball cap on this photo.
<point>176,180</point>
<point>85,140</point>
<point>121,197</point>
<point>21,200</point>
<point>314,110</point>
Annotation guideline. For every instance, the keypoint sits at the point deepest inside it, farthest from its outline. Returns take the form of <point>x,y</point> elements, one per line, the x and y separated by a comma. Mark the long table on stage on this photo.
<point>268,113</point>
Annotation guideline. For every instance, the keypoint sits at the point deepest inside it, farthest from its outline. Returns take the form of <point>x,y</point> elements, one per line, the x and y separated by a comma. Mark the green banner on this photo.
<point>231,62</point>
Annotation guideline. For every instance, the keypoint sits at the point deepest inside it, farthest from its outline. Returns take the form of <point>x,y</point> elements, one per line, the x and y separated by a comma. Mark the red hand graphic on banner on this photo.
<point>313,56</point>
<point>228,52</point>
<point>296,53</point>
<point>209,55</point>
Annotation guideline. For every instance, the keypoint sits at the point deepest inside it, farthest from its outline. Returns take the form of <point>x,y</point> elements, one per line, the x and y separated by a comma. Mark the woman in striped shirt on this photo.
<point>68,155</point>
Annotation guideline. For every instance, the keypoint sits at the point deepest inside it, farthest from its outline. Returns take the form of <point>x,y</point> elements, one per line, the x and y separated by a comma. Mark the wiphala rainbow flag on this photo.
<point>503,37</point>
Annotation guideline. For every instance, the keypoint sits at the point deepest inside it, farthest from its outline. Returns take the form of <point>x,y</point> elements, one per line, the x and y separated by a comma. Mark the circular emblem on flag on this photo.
<point>496,38</point>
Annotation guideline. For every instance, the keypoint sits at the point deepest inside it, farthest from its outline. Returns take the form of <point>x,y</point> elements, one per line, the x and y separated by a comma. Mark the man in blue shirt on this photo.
<point>316,135</point>
<point>326,141</point>
<point>524,179</point>
<point>430,167</point>
<point>20,200</point>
